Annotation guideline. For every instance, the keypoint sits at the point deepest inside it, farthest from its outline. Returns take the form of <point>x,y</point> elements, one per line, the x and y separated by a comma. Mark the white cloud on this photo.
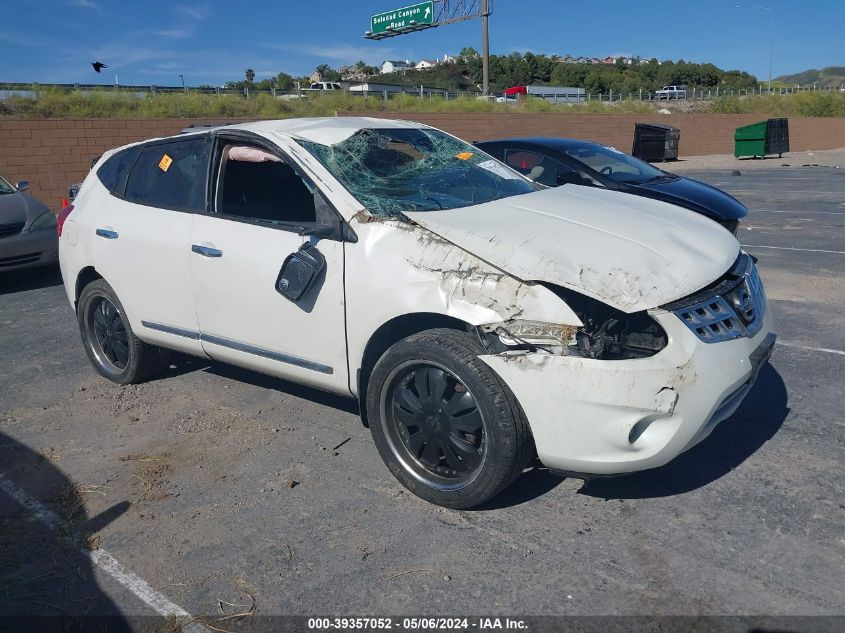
<point>348,54</point>
<point>175,33</point>
<point>86,4</point>
<point>26,40</point>
<point>195,11</point>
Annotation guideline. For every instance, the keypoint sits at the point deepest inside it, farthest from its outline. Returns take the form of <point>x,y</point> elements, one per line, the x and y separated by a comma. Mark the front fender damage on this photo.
<point>467,287</point>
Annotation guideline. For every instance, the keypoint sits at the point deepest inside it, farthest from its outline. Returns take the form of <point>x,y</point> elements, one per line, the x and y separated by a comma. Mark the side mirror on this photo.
<point>299,272</point>
<point>23,185</point>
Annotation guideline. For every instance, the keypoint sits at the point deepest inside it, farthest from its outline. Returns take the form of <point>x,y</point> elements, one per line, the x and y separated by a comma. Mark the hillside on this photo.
<point>830,77</point>
<point>516,69</point>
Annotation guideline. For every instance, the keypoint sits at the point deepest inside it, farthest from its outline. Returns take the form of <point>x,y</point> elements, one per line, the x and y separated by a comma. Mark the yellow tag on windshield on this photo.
<point>164,163</point>
<point>464,155</point>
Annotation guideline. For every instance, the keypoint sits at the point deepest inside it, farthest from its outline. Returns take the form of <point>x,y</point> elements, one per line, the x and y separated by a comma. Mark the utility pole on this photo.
<point>485,49</point>
<point>771,35</point>
<point>771,42</point>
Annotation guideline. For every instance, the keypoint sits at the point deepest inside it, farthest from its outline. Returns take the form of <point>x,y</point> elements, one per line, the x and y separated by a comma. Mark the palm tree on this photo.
<point>250,76</point>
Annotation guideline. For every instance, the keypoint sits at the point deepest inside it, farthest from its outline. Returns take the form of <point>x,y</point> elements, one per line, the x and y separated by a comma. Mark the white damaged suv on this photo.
<point>479,319</point>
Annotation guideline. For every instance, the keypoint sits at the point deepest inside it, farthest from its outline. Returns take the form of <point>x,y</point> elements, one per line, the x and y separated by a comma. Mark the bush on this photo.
<point>57,103</point>
<point>820,104</point>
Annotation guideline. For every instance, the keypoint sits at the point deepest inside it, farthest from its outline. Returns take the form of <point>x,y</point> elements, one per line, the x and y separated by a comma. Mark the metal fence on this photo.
<point>34,90</point>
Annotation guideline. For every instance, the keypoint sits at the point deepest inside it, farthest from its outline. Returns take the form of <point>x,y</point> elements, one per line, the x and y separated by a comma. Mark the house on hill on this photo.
<point>352,73</point>
<point>394,66</point>
<point>425,63</point>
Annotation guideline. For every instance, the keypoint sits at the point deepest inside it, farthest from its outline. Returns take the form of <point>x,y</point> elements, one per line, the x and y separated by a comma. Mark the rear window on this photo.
<point>171,175</point>
<point>113,172</point>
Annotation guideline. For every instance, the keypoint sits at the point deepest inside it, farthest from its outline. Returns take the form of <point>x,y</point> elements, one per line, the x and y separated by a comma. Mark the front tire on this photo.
<point>444,423</point>
<point>113,349</point>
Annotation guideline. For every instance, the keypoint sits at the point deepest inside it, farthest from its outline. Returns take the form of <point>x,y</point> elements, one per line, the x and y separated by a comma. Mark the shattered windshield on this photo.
<point>391,171</point>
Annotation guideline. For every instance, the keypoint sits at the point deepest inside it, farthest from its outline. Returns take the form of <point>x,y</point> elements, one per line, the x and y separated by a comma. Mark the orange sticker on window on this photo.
<point>164,163</point>
<point>464,155</point>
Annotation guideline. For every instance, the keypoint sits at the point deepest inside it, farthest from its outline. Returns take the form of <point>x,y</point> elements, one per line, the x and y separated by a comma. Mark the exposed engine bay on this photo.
<point>606,334</point>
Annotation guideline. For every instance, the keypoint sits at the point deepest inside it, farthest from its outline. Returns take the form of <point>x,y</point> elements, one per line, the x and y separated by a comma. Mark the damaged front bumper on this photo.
<point>606,417</point>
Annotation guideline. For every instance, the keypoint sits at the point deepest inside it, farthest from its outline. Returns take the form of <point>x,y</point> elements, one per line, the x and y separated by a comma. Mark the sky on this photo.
<point>154,42</point>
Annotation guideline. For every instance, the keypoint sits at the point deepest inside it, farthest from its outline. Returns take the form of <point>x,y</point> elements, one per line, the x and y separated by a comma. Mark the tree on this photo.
<point>250,76</point>
<point>364,68</point>
<point>468,52</point>
<point>284,81</point>
<point>327,73</point>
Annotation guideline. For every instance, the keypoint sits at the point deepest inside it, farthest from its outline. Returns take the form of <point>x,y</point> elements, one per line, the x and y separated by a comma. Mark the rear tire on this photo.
<point>113,349</point>
<point>444,423</point>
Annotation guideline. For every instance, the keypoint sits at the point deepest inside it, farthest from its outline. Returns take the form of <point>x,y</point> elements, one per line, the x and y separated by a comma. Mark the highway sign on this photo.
<point>407,18</point>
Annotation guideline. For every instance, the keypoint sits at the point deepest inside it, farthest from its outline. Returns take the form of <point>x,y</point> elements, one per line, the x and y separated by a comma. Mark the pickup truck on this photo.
<point>324,85</point>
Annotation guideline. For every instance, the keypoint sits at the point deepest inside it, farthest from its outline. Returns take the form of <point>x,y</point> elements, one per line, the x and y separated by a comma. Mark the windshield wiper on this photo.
<point>659,177</point>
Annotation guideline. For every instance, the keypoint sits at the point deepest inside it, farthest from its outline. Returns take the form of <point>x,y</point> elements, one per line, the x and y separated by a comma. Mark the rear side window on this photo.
<point>113,172</point>
<point>171,175</point>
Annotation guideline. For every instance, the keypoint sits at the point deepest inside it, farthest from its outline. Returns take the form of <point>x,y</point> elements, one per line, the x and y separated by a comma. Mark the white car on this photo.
<point>479,319</point>
<point>671,92</point>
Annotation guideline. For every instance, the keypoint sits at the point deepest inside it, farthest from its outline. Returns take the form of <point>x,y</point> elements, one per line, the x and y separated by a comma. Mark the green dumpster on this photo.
<point>759,139</point>
<point>750,140</point>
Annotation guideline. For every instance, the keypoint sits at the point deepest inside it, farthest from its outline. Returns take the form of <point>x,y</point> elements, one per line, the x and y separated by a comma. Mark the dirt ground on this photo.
<point>834,158</point>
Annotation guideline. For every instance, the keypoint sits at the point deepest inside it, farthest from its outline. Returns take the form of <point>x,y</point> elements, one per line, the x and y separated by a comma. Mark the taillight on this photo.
<point>60,221</point>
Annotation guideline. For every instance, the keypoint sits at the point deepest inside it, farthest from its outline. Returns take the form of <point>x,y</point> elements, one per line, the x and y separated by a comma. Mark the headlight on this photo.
<point>44,221</point>
<point>552,338</point>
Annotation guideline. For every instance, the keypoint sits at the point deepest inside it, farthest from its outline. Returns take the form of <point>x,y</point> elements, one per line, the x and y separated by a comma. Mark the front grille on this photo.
<point>8,230</point>
<point>29,258</point>
<point>731,308</point>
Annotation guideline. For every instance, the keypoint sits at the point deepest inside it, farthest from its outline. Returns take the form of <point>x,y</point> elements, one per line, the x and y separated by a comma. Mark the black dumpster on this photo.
<point>656,143</point>
<point>777,136</point>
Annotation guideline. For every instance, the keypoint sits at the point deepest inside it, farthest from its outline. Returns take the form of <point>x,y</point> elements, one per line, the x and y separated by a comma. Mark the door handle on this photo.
<point>206,251</point>
<point>107,233</point>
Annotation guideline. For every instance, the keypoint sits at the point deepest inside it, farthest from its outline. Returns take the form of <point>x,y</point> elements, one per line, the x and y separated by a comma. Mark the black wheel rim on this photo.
<point>107,334</point>
<point>434,425</point>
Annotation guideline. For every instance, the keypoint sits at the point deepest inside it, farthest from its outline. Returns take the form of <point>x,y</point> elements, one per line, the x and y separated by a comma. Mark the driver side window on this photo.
<point>258,185</point>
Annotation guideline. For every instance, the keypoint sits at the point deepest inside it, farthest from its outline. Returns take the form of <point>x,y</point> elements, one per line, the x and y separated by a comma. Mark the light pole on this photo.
<point>182,77</point>
<point>485,49</point>
<point>771,36</point>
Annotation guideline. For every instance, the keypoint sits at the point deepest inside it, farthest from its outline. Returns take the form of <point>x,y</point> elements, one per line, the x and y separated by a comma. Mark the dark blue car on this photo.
<point>560,161</point>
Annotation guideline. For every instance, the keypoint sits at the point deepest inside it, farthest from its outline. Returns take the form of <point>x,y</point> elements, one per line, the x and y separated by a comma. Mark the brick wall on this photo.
<point>54,153</point>
<point>701,134</point>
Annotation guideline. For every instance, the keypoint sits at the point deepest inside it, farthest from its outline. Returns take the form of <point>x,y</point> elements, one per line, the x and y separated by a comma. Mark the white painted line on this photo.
<point>102,559</point>
<point>791,191</point>
<point>798,211</point>
<point>792,248</point>
<point>812,349</point>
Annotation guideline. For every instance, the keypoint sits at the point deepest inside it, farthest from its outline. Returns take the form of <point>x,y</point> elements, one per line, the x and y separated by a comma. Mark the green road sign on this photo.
<point>402,19</point>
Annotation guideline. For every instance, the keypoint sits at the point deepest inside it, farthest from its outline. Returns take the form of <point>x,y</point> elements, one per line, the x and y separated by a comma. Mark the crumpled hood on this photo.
<point>629,252</point>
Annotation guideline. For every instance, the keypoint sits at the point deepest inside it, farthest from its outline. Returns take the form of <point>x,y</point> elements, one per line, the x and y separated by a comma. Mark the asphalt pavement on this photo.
<point>227,492</point>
